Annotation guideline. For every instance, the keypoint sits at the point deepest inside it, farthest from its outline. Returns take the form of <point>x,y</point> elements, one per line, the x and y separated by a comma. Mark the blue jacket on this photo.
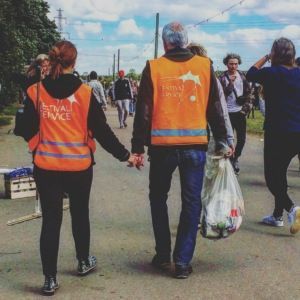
<point>281,88</point>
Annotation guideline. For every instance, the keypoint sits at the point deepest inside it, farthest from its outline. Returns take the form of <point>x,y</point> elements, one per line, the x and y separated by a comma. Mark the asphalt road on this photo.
<point>257,262</point>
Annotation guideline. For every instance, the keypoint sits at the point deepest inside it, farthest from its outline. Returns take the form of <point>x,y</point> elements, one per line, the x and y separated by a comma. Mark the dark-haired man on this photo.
<point>237,92</point>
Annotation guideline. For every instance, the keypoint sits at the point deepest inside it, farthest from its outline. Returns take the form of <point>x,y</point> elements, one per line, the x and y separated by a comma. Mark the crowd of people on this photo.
<point>179,107</point>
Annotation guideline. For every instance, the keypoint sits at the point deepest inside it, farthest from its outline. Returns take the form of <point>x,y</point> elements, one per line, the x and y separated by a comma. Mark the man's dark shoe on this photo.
<point>86,266</point>
<point>183,272</point>
<point>50,285</point>
<point>160,263</point>
<point>125,124</point>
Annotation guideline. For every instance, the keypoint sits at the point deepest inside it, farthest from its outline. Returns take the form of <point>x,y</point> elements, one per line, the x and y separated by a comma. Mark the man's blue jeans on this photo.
<point>163,163</point>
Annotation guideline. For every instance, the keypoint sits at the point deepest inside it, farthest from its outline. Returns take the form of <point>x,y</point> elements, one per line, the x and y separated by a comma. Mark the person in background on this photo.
<point>297,61</point>
<point>75,73</point>
<point>38,70</point>
<point>135,88</point>
<point>281,84</point>
<point>122,94</point>
<point>178,96</point>
<point>97,89</point>
<point>261,100</point>
<point>235,86</point>
<point>63,122</point>
<point>198,49</point>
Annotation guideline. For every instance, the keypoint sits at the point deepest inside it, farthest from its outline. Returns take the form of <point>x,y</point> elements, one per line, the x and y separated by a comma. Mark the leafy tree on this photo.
<point>25,31</point>
<point>132,74</point>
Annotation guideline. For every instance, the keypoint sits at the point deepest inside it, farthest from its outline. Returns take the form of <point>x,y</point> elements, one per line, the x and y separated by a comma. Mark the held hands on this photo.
<point>136,160</point>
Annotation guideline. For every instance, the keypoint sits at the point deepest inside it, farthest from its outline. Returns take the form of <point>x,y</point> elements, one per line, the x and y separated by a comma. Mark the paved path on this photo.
<point>258,262</point>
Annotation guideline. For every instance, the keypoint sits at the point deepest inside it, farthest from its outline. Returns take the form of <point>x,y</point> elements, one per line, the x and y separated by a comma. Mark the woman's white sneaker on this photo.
<point>271,220</point>
<point>294,219</point>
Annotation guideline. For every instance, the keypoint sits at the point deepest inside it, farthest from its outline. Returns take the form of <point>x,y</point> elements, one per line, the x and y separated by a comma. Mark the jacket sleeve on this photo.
<point>113,92</point>
<point>230,135</point>
<point>101,131</point>
<point>143,115</point>
<point>102,95</point>
<point>227,88</point>
<point>260,76</point>
<point>246,86</point>
<point>214,113</point>
<point>130,90</point>
<point>31,119</point>
<point>247,106</point>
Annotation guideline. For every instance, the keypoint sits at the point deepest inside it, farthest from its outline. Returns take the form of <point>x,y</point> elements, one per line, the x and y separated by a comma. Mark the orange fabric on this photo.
<point>181,91</point>
<point>63,142</point>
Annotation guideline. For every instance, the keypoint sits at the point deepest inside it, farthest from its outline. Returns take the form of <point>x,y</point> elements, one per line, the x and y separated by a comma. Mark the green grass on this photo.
<point>10,110</point>
<point>255,125</point>
<point>7,113</point>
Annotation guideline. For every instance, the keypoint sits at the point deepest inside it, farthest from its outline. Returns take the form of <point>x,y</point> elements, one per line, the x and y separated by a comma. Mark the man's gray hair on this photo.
<point>175,35</point>
<point>283,52</point>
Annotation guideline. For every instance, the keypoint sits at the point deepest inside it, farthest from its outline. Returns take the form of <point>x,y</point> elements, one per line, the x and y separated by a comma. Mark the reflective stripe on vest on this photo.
<point>63,142</point>
<point>181,91</point>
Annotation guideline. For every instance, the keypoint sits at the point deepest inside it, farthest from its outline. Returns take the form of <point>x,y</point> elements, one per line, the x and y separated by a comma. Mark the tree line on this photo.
<point>25,32</point>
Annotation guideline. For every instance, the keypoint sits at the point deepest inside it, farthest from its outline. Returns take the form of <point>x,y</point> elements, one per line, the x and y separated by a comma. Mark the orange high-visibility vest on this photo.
<point>181,91</point>
<point>63,142</point>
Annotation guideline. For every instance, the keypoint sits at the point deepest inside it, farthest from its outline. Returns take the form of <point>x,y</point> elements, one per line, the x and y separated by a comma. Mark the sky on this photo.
<point>99,28</point>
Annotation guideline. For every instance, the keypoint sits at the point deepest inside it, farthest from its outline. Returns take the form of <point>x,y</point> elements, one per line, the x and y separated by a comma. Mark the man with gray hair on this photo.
<point>178,96</point>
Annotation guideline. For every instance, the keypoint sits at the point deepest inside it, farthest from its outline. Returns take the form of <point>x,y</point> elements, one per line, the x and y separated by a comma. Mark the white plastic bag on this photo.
<point>222,200</point>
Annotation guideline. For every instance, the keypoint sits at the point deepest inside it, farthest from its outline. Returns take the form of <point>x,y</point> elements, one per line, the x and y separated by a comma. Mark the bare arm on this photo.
<point>262,61</point>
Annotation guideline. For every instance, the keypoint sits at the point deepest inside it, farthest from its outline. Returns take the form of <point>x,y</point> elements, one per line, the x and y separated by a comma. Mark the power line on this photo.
<point>218,14</point>
<point>60,18</point>
<point>112,40</point>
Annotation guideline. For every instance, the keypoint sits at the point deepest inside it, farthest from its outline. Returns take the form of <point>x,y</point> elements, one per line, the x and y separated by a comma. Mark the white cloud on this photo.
<point>189,11</point>
<point>113,10</point>
<point>129,27</point>
<point>278,11</point>
<point>83,29</point>
<point>251,41</point>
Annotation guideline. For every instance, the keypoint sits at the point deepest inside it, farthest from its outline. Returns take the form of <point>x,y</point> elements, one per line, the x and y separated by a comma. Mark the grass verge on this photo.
<point>255,126</point>
<point>5,120</point>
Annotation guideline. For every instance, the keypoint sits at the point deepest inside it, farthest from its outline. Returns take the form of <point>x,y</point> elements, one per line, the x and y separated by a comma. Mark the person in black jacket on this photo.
<point>63,92</point>
<point>122,94</point>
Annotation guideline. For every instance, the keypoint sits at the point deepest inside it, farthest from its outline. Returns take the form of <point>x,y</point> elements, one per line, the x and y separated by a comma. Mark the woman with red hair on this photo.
<point>64,118</point>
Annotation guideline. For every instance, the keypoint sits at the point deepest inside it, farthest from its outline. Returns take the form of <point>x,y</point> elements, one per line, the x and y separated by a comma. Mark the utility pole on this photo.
<point>114,67</point>
<point>156,35</point>
<point>118,60</point>
<point>60,18</point>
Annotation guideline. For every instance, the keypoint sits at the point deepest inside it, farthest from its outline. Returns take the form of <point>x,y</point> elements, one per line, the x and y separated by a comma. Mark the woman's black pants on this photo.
<point>51,186</point>
<point>238,123</point>
<point>279,149</point>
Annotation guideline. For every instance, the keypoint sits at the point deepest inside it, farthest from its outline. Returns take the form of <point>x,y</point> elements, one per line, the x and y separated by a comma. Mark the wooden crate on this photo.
<point>20,187</point>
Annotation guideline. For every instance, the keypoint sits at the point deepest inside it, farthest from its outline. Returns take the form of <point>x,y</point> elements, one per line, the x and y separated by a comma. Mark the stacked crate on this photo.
<point>19,183</point>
